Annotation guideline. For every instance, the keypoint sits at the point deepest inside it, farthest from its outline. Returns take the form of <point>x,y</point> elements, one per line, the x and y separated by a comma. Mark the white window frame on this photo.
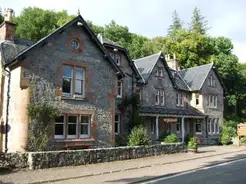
<point>218,126</point>
<point>210,126</point>
<point>88,124</point>
<point>197,98</point>
<point>160,72</point>
<point>198,121</point>
<point>72,136</point>
<point>180,99</point>
<point>157,97</point>
<point>73,84</point>
<point>119,87</point>
<point>71,78</point>
<point>64,128</point>
<point>162,97</point>
<point>117,123</point>
<point>213,101</point>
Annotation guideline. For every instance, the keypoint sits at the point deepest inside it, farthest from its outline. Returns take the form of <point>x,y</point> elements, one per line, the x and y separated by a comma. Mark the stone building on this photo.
<point>186,102</point>
<point>87,76</point>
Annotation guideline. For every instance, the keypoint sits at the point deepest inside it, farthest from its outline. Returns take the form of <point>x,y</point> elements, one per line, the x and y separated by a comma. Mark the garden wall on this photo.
<point>49,159</point>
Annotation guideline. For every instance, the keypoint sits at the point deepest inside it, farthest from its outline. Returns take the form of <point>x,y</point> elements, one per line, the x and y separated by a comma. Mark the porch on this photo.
<point>181,122</point>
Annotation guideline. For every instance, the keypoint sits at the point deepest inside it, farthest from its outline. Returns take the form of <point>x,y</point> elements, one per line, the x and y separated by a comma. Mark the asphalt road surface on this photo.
<point>228,173</point>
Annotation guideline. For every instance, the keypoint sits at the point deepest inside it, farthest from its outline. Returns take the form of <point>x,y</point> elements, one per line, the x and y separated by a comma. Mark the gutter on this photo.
<point>7,112</point>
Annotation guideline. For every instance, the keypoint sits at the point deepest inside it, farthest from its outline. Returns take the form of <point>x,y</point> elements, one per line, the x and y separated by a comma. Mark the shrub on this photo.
<point>172,138</point>
<point>138,137</point>
<point>243,140</point>
<point>193,142</point>
<point>227,134</point>
<point>163,135</point>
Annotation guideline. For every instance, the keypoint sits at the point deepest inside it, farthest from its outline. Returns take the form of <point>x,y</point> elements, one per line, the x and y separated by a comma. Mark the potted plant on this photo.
<point>192,145</point>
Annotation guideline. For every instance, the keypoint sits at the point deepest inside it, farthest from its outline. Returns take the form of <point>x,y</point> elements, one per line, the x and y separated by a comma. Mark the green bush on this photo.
<point>138,137</point>
<point>192,144</point>
<point>172,138</point>
<point>243,140</point>
<point>163,135</point>
<point>227,134</point>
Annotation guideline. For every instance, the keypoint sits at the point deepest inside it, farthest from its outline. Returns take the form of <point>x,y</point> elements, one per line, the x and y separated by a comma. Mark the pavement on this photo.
<point>130,171</point>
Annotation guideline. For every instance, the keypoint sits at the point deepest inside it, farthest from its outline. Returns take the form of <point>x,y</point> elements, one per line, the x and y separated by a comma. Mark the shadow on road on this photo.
<point>149,178</point>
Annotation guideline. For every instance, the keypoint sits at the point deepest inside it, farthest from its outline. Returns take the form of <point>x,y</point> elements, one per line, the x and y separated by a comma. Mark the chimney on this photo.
<point>7,28</point>
<point>172,62</point>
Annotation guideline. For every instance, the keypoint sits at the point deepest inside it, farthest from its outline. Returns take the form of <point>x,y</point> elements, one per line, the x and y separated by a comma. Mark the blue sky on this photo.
<point>152,18</point>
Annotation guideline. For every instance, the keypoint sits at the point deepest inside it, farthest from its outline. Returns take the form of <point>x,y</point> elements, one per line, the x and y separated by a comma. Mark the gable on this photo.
<point>80,23</point>
<point>218,86</point>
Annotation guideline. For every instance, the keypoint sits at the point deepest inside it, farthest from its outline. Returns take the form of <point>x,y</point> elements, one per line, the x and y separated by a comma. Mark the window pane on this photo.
<point>119,88</point>
<point>212,125</point>
<point>79,73</point>
<point>198,126</point>
<point>67,71</point>
<point>111,55</point>
<point>59,119</point>
<point>84,129</point>
<point>78,87</point>
<point>72,119</point>
<point>59,129</point>
<point>178,127</point>
<point>66,85</point>
<point>209,125</point>
<point>116,117</point>
<point>85,119</point>
<point>116,127</point>
<point>72,129</point>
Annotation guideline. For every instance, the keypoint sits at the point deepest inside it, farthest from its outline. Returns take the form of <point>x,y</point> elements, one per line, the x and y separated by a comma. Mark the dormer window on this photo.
<point>115,57</point>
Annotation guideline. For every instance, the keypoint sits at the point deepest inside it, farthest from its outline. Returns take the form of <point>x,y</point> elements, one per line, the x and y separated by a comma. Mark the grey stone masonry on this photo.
<point>49,159</point>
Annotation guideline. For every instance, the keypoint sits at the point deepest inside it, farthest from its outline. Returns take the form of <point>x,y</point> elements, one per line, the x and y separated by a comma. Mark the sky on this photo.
<point>152,17</point>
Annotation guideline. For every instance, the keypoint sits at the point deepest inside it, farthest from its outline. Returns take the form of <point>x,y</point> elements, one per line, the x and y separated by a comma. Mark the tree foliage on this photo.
<point>198,23</point>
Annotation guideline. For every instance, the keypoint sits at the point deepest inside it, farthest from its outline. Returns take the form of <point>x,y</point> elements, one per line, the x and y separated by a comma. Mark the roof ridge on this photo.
<point>147,56</point>
<point>197,66</point>
<point>184,81</point>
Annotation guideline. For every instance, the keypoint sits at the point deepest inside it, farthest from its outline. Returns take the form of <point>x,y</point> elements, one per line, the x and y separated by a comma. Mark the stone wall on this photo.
<point>40,160</point>
<point>14,160</point>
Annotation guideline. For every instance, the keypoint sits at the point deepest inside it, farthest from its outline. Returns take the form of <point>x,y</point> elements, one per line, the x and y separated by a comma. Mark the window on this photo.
<point>178,125</point>
<point>216,125</point>
<point>211,81</point>
<point>156,73</point>
<point>72,127</point>
<point>73,76</point>
<point>212,101</point>
<point>157,97</point>
<point>198,127</point>
<point>75,44</point>
<point>115,57</point>
<point>117,124</point>
<point>160,72</point>
<point>119,89</point>
<point>84,126</point>
<point>140,95</point>
<point>179,99</point>
<point>152,127</point>
<point>60,127</point>
<point>162,97</point>
<point>212,126</point>
<point>197,98</point>
<point>76,124</point>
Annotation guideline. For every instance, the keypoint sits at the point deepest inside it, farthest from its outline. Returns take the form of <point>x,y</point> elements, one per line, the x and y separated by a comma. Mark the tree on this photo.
<point>198,22</point>
<point>96,29</point>
<point>36,23</point>
<point>177,25</point>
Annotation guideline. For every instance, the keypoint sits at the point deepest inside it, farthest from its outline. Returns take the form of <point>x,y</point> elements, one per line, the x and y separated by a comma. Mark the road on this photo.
<point>228,173</point>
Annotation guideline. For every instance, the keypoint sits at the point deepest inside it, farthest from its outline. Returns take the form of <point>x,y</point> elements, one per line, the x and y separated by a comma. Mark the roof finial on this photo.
<point>78,11</point>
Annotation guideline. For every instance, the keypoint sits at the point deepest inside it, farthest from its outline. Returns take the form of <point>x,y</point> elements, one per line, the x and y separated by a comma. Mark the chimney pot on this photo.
<point>8,15</point>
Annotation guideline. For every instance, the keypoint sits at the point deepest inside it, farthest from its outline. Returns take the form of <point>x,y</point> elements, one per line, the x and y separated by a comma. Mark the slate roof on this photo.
<point>191,112</point>
<point>145,65</point>
<point>10,49</point>
<point>195,76</point>
<point>106,40</point>
<point>179,81</point>
<point>21,52</point>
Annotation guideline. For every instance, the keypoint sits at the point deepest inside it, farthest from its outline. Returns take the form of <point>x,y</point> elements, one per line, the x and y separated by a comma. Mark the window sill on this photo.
<point>75,140</point>
<point>73,98</point>
<point>198,133</point>
<point>119,97</point>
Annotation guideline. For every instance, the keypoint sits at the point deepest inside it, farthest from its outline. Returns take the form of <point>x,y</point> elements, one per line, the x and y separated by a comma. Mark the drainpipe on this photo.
<point>7,112</point>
